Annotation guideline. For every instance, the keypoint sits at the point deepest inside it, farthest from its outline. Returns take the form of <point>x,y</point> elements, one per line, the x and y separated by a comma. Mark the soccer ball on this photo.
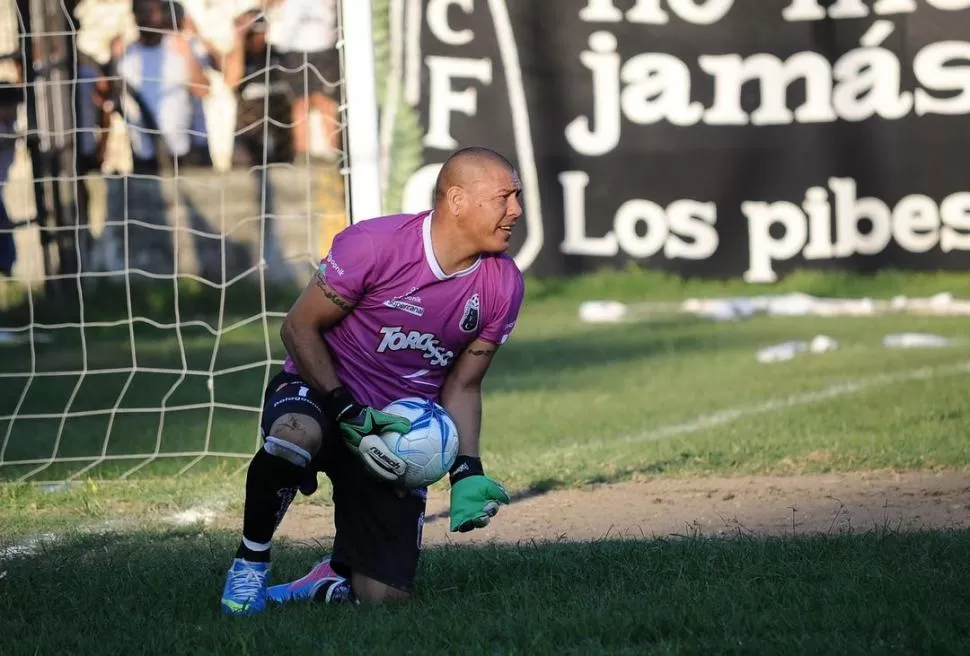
<point>430,448</point>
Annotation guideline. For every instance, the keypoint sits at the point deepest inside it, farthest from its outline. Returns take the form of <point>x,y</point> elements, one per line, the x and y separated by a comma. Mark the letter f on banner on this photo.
<point>444,100</point>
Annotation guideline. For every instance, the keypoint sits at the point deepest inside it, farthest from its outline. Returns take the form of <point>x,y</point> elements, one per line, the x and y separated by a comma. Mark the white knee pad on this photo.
<point>287,451</point>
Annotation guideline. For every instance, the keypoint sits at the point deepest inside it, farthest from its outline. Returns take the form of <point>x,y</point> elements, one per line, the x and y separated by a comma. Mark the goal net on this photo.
<point>172,173</point>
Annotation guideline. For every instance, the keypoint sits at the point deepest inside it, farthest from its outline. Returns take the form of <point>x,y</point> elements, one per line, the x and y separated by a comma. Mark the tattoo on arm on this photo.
<point>319,281</point>
<point>483,353</point>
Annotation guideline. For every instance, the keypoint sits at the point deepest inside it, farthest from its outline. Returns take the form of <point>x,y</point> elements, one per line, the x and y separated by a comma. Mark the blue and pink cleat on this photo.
<point>320,577</point>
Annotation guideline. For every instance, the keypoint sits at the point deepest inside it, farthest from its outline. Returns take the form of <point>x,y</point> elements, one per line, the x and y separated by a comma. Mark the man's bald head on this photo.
<point>465,166</point>
<point>476,200</point>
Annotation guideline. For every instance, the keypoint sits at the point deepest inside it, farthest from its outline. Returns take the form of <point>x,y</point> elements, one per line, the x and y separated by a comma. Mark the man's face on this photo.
<point>491,207</point>
<point>149,16</point>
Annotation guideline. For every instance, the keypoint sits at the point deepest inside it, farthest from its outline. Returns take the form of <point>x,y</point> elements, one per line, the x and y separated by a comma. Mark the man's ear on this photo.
<point>456,199</point>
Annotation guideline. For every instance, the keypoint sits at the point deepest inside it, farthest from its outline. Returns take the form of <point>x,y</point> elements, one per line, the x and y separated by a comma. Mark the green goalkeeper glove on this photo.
<point>361,427</point>
<point>475,497</point>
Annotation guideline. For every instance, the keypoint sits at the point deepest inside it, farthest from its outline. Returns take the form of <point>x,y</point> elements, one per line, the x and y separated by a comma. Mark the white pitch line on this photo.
<point>32,546</point>
<point>29,547</point>
<point>722,417</point>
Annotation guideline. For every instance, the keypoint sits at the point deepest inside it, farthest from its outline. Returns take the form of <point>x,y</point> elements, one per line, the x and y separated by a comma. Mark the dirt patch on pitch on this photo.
<point>764,505</point>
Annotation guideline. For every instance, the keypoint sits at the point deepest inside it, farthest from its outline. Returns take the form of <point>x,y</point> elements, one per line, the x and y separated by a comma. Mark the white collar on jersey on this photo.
<point>433,261</point>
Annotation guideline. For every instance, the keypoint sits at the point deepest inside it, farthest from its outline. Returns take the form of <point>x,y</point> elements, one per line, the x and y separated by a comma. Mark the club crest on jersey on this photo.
<point>469,318</point>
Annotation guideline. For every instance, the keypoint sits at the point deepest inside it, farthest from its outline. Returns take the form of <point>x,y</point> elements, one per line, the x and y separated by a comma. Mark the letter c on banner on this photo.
<point>438,22</point>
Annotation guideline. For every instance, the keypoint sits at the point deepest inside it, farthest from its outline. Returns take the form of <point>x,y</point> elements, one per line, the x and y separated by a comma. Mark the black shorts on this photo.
<point>378,526</point>
<point>312,72</point>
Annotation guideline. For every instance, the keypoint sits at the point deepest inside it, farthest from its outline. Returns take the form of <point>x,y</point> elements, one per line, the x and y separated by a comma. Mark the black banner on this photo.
<point>716,138</point>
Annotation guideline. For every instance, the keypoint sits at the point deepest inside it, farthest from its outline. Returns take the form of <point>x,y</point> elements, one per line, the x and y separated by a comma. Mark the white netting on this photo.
<point>139,322</point>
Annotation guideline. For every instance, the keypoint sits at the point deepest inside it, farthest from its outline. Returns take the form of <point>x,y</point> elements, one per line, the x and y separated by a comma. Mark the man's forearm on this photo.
<point>311,356</point>
<point>199,85</point>
<point>464,404</point>
<point>234,67</point>
<point>198,82</point>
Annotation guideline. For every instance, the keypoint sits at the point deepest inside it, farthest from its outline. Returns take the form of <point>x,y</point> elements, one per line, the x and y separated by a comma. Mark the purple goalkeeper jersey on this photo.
<point>411,321</point>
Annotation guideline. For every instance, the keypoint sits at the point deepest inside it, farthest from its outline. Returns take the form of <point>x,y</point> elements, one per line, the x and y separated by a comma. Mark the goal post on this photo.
<point>361,110</point>
<point>154,362</point>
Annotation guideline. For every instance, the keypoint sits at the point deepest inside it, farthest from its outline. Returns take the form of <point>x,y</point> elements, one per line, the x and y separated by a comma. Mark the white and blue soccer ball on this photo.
<point>430,447</point>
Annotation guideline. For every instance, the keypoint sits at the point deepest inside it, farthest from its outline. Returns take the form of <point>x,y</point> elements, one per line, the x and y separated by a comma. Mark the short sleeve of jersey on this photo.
<point>502,322</point>
<point>349,266</point>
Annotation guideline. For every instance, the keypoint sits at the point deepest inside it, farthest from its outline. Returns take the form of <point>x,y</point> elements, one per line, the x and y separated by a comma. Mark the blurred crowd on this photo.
<point>174,84</point>
<point>185,96</point>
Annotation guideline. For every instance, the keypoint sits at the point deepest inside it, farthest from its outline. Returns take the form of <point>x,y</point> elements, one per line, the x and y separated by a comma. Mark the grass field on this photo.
<point>154,593</point>
<point>567,403</point>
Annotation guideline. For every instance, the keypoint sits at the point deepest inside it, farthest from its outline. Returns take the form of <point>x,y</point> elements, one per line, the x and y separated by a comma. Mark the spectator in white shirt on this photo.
<point>305,32</point>
<point>163,74</point>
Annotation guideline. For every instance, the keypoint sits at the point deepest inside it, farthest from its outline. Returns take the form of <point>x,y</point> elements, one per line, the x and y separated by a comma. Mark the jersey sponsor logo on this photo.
<point>396,339</point>
<point>410,308</point>
<point>407,302</point>
<point>469,318</point>
<point>331,264</point>
<point>408,295</point>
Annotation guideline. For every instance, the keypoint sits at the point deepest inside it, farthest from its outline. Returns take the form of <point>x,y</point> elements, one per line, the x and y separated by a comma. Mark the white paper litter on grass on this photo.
<point>915,340</point>
<point>822,344</point>
<point>602,311</point>
<point>795,304</point>
<point>781,352</point>
<point>788,350</point>
<point>786,305</point>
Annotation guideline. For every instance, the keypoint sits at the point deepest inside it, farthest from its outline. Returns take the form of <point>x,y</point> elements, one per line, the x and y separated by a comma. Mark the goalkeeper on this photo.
<point>403,305</point>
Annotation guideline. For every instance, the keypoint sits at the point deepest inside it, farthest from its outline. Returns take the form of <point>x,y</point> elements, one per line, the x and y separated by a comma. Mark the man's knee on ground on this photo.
<point>371,591</point>
<point>294,437</point>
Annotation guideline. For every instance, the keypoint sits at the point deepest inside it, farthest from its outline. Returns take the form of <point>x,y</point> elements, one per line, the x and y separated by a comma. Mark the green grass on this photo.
<point>566,403</point>
<point>635,284</point>
<point>883,592</point>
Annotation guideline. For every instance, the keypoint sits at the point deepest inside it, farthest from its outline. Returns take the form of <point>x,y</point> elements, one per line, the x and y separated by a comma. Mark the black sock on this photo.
<point>244,552</point>
<point>271,484</point>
